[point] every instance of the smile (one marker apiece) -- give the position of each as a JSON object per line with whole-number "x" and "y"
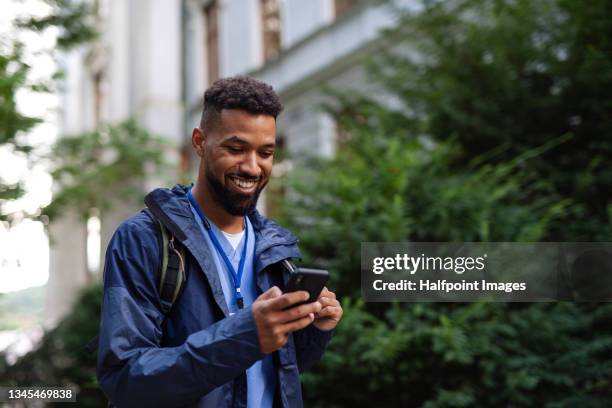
{"x": 244, "y": 185}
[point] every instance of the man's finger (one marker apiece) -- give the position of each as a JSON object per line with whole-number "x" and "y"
{"x": 329, "y": 311}
{"x": 271, "y": 293}
{"x": 287, "y": 300}
{"x": 298, "y": 324}
{"x": 327, "y": 293}
{"x": 298, "y": 312}
{"x": 326, "y": 301}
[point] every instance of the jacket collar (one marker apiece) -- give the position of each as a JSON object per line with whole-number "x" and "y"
{"x": 272, "y": 242}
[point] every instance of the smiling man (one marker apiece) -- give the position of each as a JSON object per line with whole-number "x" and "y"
{"x": 226, "y": 336}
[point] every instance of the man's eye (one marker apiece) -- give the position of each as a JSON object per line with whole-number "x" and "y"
{"x": 235, "y": 149}
{"x": 267, "y": 154}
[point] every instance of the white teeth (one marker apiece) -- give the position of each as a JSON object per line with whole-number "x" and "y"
{"x": 243, "y": 183}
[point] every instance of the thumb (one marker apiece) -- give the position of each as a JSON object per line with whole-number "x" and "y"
{"x": 271, "y": 293}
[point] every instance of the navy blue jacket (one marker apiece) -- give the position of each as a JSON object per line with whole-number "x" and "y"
{"x": 197, "y": 354}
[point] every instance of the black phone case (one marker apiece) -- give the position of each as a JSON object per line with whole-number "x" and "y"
{"x": 310, "y": 280}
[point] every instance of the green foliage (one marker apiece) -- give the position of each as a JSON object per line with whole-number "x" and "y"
{"x": 391, "y": 188}
{"x": 485, "y": 355}
{"x": 10, "y": 192}
{"x": 76, "y": 23}
{"x": 91, "y": 165}
{"x": 495, "y": 133}
{"x": 61, "y": 359}
{"x": 75, "y": 19}
{"x": 516, "y": 74}
{"x": 13, "y": 77}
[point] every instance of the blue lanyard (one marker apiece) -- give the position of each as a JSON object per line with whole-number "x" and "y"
{"x": 236, "y": 276}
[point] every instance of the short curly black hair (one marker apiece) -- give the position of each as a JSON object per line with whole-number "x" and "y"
{"x": 238, "y": 92}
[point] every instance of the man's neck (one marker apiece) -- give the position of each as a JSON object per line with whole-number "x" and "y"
{"x": 215, "y": 212}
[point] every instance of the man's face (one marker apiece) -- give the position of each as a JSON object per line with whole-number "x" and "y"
{"x": 238, "y": 155}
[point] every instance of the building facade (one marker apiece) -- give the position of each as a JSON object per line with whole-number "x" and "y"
{"x": 155, "y": 58}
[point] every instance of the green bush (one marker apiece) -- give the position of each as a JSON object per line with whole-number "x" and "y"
{"x": 485, "y": 355}
{"x": 500, "y": 135}
{"x": 436, "y": 355}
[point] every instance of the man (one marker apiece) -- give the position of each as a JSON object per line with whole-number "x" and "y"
{"x": 231, "y": 338}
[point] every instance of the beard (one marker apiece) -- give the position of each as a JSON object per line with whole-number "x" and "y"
{"x": 235, "y": 203}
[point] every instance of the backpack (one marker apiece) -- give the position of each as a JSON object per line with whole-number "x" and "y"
{"x": 170, "y": 276}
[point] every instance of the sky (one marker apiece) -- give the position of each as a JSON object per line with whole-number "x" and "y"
{"x": 24, "y": 249}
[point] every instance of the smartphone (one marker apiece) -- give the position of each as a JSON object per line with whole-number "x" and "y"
{"x": 310, "y": 280}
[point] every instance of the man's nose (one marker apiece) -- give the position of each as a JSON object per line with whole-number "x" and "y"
{"x": 249, "y": 165}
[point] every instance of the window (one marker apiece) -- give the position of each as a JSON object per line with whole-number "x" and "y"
{"x": 342, "y": 6}
{"x": 271, "y": 27}
{"x": 211, "y": 14}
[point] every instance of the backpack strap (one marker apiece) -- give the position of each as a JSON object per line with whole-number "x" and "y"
{"x": 170, "y": 276}
{"x": 171, "y": 273}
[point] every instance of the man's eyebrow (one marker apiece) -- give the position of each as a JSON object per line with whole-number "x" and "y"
{"x": 235, "y": 139}
{"x": 239, "y": 140}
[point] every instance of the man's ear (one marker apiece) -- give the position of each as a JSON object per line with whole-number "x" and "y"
{"x": 198, "y": 141}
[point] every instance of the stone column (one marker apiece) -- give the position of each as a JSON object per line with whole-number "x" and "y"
{"x": 67, "y": 267}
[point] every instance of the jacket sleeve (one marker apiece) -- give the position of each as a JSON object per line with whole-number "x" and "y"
{"x": 133, "y": 369}
{"x": 310, "y": 344}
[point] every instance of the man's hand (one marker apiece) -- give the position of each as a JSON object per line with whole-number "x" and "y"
{"x": 274, "y": 324}
{"x": 331, "y": 311}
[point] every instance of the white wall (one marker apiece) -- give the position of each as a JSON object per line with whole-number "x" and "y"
{"x": 67, "y": 252}
{"x": 156, "y": 56}
{"x": 325, "y": 48}
{"x": 240, "y": 36}
{"x": 76, "y": 113}
{"x": 116, "y": 40}
{"x": 301, "y": 18}
{"x": 307, "y": 128}
{"x": 327, "y": 57}
{"x": 148, "y": 43}
{"x": 67, "y": 266}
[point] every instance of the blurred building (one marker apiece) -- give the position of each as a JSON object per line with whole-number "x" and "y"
{"x": 156, "y": 57}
